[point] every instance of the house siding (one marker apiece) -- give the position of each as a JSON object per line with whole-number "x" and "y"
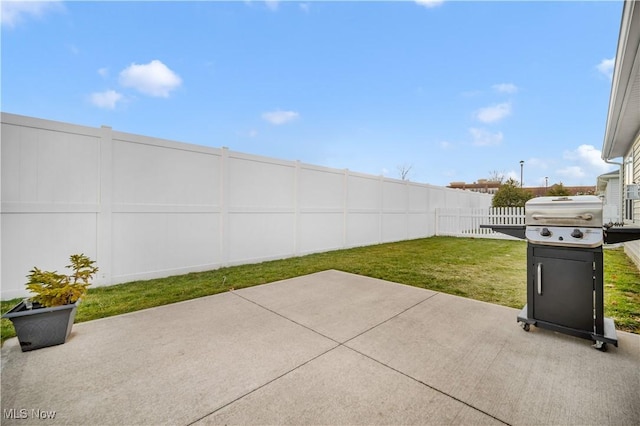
{"x": 636, "y": 176}
{"x": 633, "y": 248}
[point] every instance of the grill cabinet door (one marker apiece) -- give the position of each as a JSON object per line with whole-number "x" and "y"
{"x": 561, "y": 283}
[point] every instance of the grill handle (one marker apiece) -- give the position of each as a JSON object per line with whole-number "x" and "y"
{"x": 586, "y": 216}
{"x": 539, "y": 278}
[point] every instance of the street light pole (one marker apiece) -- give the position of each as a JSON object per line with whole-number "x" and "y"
{"x": 521, "y": 172}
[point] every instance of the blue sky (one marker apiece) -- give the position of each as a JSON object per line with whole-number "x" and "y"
{"x": 455, "y": 90}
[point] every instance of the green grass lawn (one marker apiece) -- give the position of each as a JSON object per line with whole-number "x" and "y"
{"x": 493, "y": 271}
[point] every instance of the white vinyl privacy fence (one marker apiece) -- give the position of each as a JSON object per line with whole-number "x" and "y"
{"x": 144, "y": 207}
{"x": 465, "y": 222}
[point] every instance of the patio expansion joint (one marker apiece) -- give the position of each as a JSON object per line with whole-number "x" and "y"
{"x": 389, "y": 319}
{"x": 431, "y": 387}
{"x": 339, "y": 344}
{"x": 257, "y": 388}
{"x": 285, "y": 317}
{"x": 411, "y": 377}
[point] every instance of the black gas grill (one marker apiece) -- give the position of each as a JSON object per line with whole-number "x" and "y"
{"x": 564, "y": 266}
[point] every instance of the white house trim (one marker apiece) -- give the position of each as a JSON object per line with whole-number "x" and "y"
{"x": 622, "y": 134}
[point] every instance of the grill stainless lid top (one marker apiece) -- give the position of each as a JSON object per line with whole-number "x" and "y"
{"x": 579, "y": 210}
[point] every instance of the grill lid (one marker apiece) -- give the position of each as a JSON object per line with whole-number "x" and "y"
{"x": 579, "y": 210}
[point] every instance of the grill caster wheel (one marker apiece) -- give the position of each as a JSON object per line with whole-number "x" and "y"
{"x": 601, "y": 346}
{"x": 525, "y": 326}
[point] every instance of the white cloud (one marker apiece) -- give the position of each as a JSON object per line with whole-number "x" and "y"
{"x": 445, "y": 145}
{"x": 572, "y": 172}
{"x": 272, "y": 4}
{"x": 606, "y": 67}
{"x": 429, "y": 3}
{"x": 482, "y": 137}
{"x": 13, "y": 13}
{"x": 305, "y": 7}
{"x": 107, "y": 99}
{"x": 581, "y": 166}
{"x": 104, "y": 72}
{"x": 505, "y": 88}
{"x": 153, "y": 79}
{"x": 493, "y": 113}
{"x": 588, "y": 156}
{"x": 280, "y": 117}
{"x": 512, "y": 174}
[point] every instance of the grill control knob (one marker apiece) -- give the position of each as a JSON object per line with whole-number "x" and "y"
{"x": 577, "y": 233}
{"x": 545, "y": 232}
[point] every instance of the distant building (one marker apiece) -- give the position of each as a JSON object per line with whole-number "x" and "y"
{"x": 491, "y": 187}
{"x": 609, "y": 190}
{"x": 484, "y": 186}
{"x": 541, "y": 191}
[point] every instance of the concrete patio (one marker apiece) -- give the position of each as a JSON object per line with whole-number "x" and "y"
{"x": 326, "y": 348}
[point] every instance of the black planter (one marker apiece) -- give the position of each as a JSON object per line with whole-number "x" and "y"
{"x": 41, "y": 327}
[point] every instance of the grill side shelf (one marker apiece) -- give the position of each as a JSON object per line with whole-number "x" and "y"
{"x": 621, "y": 234}
{"x": 517, "y": 231}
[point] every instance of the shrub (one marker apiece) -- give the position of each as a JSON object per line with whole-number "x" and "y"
{"x": 54, "y": 289}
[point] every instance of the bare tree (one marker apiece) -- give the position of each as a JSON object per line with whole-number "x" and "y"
{"x": 496, "y": 176}
{"x": 403, "y": 170}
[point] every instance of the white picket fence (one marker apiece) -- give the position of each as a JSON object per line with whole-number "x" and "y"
{"x": 459, "y": 222}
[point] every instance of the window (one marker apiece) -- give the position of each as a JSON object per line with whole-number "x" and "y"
{"x": 628, "y": 210}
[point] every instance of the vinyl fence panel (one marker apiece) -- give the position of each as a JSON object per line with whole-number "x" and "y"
{"x": 164, "y": 208}
{"x": 146, "y": 207}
